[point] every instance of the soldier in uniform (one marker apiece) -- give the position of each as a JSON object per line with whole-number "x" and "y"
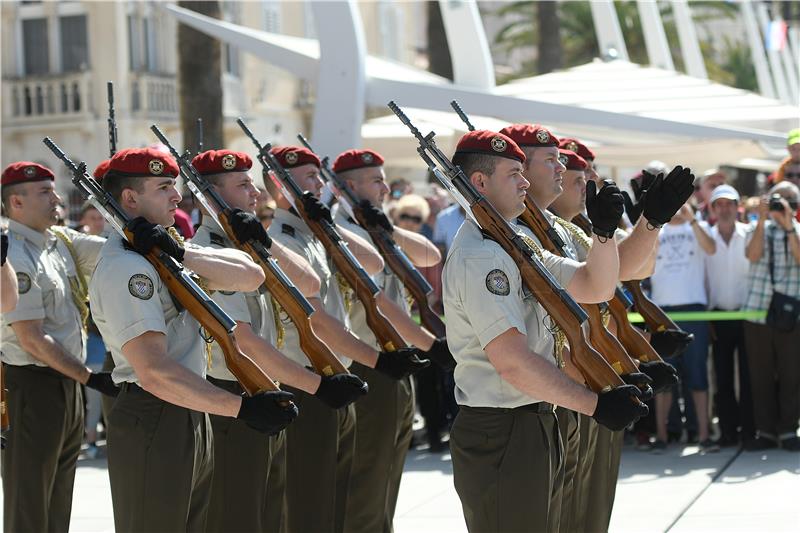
{"x": 160, "y": 452}
{"x": 320, "y": 445}
{"x": 505, "y": 439}
{"x": 383, "y": 433}
{"x": 241, "y": 454}
{"x": 44, "y": 350}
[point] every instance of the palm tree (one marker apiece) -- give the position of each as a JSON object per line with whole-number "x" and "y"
{"x": 200, "y": 79}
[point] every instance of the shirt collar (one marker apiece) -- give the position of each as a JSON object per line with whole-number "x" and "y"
{"x": 40, "y": 239}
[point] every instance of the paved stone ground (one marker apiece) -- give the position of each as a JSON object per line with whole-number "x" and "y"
{"x": 681, "y": 491}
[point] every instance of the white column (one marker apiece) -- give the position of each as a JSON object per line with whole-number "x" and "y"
{"x": 469, "y": 48}
{"x": 690, "y": 46}
{"x": 609, "y": 32}
{"x": 757, "y": 53}
{"x": 655, "y": 39}
{"x": 781, "y": 86}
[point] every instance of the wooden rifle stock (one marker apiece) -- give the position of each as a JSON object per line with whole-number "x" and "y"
{"x": 213, "y": 319}
{"x": 5, "y": 422}
{"x": 276, "y": 282}
{"x": 345, "y": 262}
{"x": 631, "y": 338}
{"x": 392, "y": 254}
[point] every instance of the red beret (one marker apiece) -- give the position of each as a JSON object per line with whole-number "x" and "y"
{"x": 571, "y": 160}
{"x": 144, "y": 162}
{"x": 25, "y": 171}
{"x": 489, "y": 143}
{"x": 353, "y": 159}
{"x": 101, "y": 169}
{"x": 221, "y": 161}
{"x": 532, "y": 135}
{"x": 295, "y": 156}
{"x": 578, "y": 147}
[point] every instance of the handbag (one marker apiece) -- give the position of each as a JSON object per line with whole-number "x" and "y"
{"x": 783, "y": 313}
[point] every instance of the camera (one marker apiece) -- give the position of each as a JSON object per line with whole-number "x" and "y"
{"x": 776, "y": 205}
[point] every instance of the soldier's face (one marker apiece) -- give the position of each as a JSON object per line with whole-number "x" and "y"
{"x": 307, "y": 178}
{"x": 369, "y": 184}
{"x": 158, "y": 200}
{"x": 505, "y": 188}
{"x": 36, "y": 204}
{"x": 544, "y": 172}
{"x": 572, "y": 201}
{"x": 239, "y": 191}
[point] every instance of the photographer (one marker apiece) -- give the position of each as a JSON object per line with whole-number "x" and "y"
{"x": 773, "y": 250}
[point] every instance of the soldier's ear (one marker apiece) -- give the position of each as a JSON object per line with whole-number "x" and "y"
{"x": 478, "y": 180}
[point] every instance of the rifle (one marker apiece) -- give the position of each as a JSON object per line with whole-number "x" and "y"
{"x": 180, "y": 284}
{"x": 346, "y": 263}
{"x": 631, "y": 338}
{"x": 277, "y": 283}
{"x": 112, "y": 121}
{"x": 533, "y": 217}
{"x": 567, "y": 314}
{"x": 199, "y": 135}
{"x": 5, "y": 422}
{"x": 394, "y": 256}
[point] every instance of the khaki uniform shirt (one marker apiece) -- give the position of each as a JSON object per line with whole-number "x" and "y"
{"x": 254, "y": 308}
{"x": 129, "y": 299}
{"x": 291, "y": 231}
{"x": 45, "y": 270}
{"x": 386, "y": 280}
{"x": 484, "y": 297}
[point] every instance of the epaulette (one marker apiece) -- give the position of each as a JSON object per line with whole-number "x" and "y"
{"x": 286, "y": 229}
{"x": 217, "y": 239}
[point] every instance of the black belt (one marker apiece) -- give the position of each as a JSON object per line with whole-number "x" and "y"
{"x": 129, "y": 386}
{"x": 541, "y": 408}
{"x": 231, "y": 386}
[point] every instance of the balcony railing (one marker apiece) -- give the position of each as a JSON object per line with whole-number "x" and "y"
{"x": 45, "y": 98}
{"x": 154, "y": 95}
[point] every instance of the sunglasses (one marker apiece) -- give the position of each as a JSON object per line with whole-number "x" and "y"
{"x": 411, "y": 218}
{"x": 792, "y": 175}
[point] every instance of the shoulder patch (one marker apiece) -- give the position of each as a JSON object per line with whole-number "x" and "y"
{"x": 497, "y": 282}
{"x": 287, "y": 230}
{"x": 23, "y": 282}
{"x": 140, "y": 286}
{"x": 217, "y": 239}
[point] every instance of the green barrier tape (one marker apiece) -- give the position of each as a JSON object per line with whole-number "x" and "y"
{"x": 705, "y": 316}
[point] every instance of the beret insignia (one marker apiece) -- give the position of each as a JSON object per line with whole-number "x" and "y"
{"x": 366, "y": 157}
{"x": 29, "y": 172}
{"x": 156, "y": 167}
{"x": 563, "y": 159}
{"x": 140, "y": 286}
{"x": 291, "y": 158}
{"x": 497, "y": 283}
{"x": 23, "y": 282}
{"x": 499, "y": 145}
{"x": 229, "y": 161}
{"x": 573, "y": 146}
{"x": 542, "y": 136}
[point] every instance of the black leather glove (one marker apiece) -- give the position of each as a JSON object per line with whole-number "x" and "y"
{"x": 663, "y": 374}
{"x": 3, "y": 248}
{"x": 440, "y": 354}
{"x": 374, "y": 216}
{"x": 670, "y": 342}
{"x": 341, "y": 389}
{"x": 147, "y": 235}
{"x": 642, "y": 382}
{"x": 246, "y": 226}
{"x": 666, "y": 195}
{"x": 400, "y": 363}
{"x": 634, "y": 210}
{"x": 264, "y": 412}
{"x": 604, "y": 208}
{"x": 101, "y": 381}
{"x": 616, "y": 408}
{"x": 315, "y": 208}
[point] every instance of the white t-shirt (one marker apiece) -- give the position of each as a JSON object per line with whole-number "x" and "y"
{"x": 679, "y": 276}
{"x": 727, "y": 270}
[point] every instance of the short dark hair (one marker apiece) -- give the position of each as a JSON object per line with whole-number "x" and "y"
{"x": 114, "y": 183}
{"x": 6, "y": 192}
{"x": 471, "y": 162}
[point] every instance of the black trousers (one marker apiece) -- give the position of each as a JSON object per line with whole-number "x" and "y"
{"x": 728, "y": 348}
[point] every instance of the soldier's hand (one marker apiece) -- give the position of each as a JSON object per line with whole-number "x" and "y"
{"x": 616, "y": 408}
{"x": 634, "y": 210}
{"x": 671, "y": 342}
{"x": 604, "y": 208}
{"x": 374, "y": 216}
{"x": 3, "y": 247}
{"x": 264, "y": 412}
{"x": 147, "y": 235}
{"x": 440, "y": 354}
{"x": 642, "y": 381}
{"x": 246, "y": 226}
{"x": 400, "y": 363}
{"x": 101, "y": 381}
{"x": 663, "y": 374}
{"x": 341, "y": 389}
{"x": 315, "y": 208}
{"x": 666, "y": 195}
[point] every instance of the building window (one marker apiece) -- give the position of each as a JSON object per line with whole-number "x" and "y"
{"x": 142, "y": 45}
{"x": 74, "y": 44}
{"x": 272, "y": 16}
{"x": 35, "y": 46}
{"x": 231, "y": 59}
